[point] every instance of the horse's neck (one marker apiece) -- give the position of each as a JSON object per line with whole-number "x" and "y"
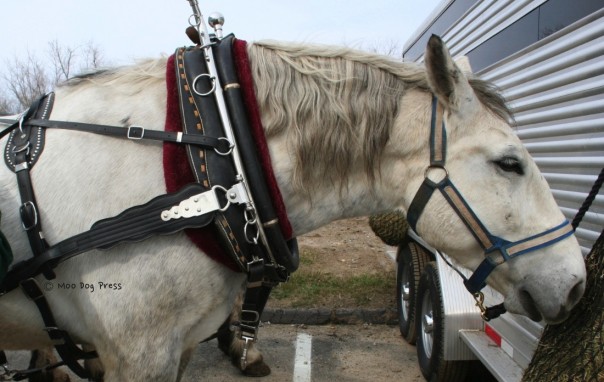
{"x": 309, "y": 211}
{"x": 405, "y": 157}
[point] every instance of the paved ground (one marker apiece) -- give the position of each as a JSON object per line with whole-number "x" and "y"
{"x": 301, "y": 353}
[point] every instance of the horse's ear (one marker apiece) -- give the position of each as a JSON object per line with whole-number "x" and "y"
{"x": 446, "y": 79}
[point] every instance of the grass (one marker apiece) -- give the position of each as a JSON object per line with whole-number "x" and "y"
{"x": 317, "y": 289}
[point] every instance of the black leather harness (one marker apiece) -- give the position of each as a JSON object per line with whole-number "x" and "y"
{"x": 217, "y": 197}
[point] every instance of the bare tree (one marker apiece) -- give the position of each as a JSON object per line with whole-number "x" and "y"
{"x": 62, "y": 58}
{"x": 387, "y": 48}
{"x": 7, "y": 106}
{"x": 93, "y": 56}
{"x": 26, "y": 79}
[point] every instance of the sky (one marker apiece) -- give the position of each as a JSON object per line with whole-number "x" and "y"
{"x": 126, "y": 30}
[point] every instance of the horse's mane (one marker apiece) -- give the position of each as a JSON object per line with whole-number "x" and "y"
{"x": 132, "y": 78}
{"x": 340, "y": 102}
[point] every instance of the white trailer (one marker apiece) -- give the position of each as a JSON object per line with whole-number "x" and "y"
{"x": 547, "y": 57}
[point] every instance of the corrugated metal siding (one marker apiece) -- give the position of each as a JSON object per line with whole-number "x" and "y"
{"x": 556, "y": 89}
{"x": 482, "y": 21}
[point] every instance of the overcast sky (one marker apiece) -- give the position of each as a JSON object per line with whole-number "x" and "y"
{"x": 129, "y": 29}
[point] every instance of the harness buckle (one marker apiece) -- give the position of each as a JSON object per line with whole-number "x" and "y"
{"x": 255, "y": 316}
{"x": 135, "y": 132}
{"x": 57, "y": 336}
{"x": 28, "y": 221}
{"x": 238, "y": 194}
{"x": 6, "y": 374}
{"x": 256, "y": 266}
{"x": 23, "y": 148}
{"x": 21, "y": 120}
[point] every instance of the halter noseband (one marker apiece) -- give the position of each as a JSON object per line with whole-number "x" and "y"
{"x": 496, "y": 249}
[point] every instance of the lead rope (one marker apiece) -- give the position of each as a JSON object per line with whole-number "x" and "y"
{"x": 589, "y": 200}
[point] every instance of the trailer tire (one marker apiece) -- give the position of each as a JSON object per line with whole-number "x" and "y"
{"x": 412, "y": 259}
{"x": 430, "y": 332}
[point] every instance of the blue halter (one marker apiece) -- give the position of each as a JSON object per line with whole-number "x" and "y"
{"x": 496, "y": 249}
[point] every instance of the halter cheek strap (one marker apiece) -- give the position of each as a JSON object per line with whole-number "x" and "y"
{"x": 496, "y": 249}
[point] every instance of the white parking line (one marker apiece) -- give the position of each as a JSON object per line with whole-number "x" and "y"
{"x": 302, "y": 365}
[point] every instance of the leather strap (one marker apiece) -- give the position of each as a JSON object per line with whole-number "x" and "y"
{"x": 285, "y": 254}
{"x": 26, "y": 138}
{"x": 421, "y": 198}
{"x": 134, "y": 224}
{"x": 199, "y": 113}
{"x": 134, "y": 133}
{"x": 22, "y": 151}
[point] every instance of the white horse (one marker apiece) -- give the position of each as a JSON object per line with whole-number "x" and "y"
{"x": 348, "y": 136}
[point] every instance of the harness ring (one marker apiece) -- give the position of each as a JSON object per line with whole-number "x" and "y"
{"x": 229, "y": 151}
{"x": 227, "y": 205}
{"x": 212, "y": 90}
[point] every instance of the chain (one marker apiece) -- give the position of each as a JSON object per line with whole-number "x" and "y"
{"x": 252, "y": 233}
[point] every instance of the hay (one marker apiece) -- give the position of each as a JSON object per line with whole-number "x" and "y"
{"x": 574, "y": 350}
{"x": 391, "y": 227}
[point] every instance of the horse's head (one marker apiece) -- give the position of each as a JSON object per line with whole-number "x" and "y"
{"x": 506, "y": 198}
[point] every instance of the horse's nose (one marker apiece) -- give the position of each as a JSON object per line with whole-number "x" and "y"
{"x": 553, "y": 308}
{"x": 576, "y": 293}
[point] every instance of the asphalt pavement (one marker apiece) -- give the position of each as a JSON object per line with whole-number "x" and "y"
{"x": 305, "y": 353}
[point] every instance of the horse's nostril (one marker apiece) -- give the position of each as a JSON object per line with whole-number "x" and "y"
{"x": 575, "y": 294}
{"x": 528, "y": 303}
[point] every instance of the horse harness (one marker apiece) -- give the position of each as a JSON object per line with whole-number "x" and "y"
{"x": 233, "y": 197}
{"x": 496, "y": 249}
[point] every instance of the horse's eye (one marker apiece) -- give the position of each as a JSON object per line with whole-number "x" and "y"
{"x": 510, "y": 164}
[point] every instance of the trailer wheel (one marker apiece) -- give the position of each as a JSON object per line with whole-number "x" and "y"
{"x": 430, "y": 332}
{"x": 411, "y": 261}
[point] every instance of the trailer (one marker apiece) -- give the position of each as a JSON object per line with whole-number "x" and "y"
{"x": 547, "y": 57}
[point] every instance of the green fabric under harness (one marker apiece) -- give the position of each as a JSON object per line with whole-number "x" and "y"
{"x": 6, "y": 255}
